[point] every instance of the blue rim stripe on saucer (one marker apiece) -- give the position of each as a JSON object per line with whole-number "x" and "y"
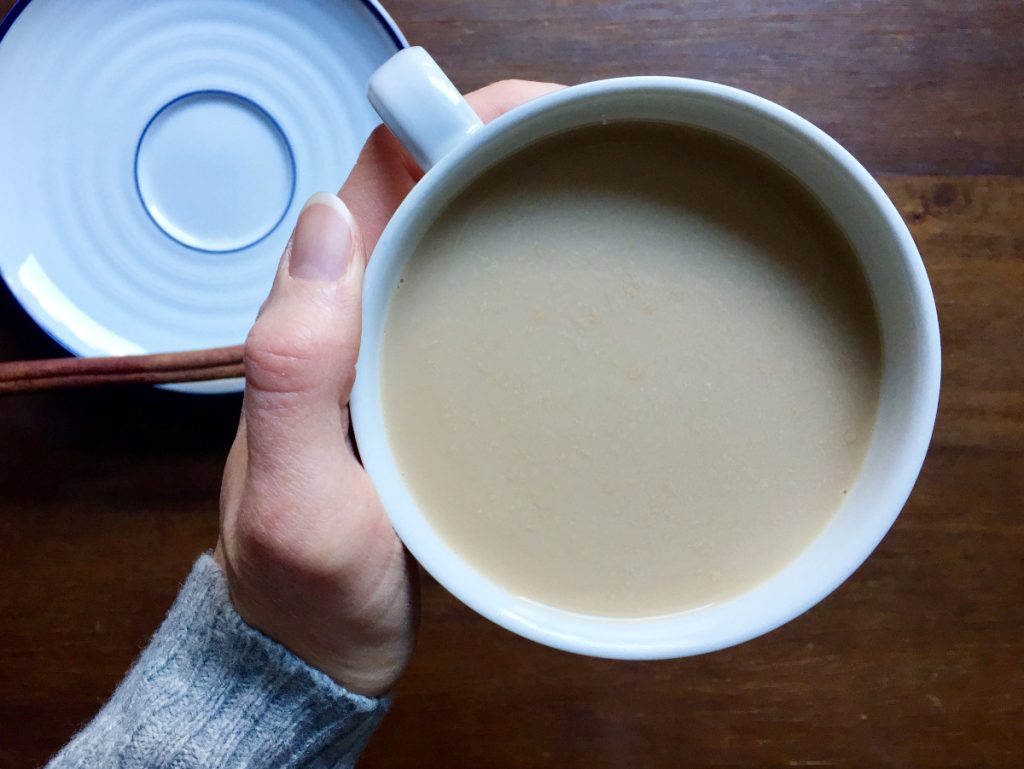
{"x": 382, "y": 16}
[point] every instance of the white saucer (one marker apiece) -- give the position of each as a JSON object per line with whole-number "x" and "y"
{"x": 156, "y": 155}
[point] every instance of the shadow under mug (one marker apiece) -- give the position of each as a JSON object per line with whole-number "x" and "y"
{"x": 427, "y": 114}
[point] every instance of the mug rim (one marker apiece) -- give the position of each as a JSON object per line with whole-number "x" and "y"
{"x": 604, "y": 636}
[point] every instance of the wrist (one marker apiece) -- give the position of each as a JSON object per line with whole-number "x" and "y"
{"x": 302, "y": 615}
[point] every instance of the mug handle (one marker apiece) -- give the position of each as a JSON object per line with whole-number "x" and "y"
{"x": 418, "y": 102}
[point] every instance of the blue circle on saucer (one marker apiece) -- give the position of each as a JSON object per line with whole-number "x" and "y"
{"x": 214, "y": 171}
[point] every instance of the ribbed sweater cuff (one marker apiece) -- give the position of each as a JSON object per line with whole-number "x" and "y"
{"x": 211, "y": 691}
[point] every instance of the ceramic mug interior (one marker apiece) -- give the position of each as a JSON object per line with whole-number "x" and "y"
{"x": 908, "y": 393}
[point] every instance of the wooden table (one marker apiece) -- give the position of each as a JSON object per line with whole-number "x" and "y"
{"x": 916, "y": 661}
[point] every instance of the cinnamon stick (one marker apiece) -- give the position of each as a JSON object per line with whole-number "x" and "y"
{"x": 161, "y": 368}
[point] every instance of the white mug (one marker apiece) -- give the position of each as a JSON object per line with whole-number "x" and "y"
{"x": 435, "y": 124}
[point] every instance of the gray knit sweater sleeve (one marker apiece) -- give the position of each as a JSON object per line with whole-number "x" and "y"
{"x": 210, "y": 691}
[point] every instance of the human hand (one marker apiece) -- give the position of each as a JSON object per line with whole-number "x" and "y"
{"x": 310, "y": 557}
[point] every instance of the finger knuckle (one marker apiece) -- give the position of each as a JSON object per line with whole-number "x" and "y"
{"x": 281, "y": 363}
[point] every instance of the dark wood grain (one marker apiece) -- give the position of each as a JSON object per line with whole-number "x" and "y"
{"x": 107, "y": 497}
{"x": 926, "y": 86}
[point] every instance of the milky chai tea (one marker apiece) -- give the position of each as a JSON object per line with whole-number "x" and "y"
{"x": 631, "y": 370}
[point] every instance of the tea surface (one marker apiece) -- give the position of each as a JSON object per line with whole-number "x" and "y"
{"x": 631, "y": 370}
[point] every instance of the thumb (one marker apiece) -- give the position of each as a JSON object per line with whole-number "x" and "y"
{"x": 301, "y": 353}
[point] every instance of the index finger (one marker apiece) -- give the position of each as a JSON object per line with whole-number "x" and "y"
{"x": 384, "y": 172}
{"x": 496, "y": 99}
